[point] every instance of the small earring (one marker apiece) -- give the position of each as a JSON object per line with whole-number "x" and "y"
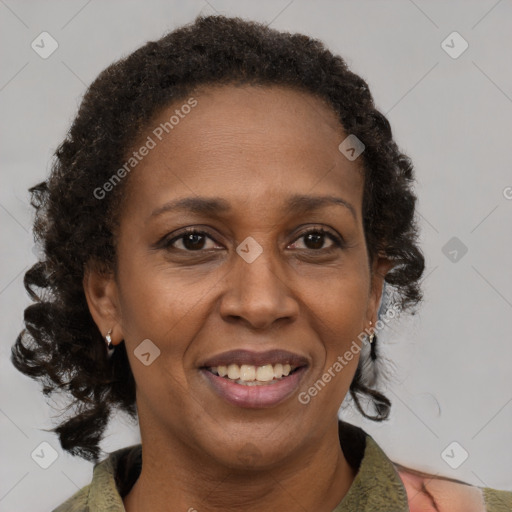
{"x": 108, "y": 339}
{"x": 372, "y": 335}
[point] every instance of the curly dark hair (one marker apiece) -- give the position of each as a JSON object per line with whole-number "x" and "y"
{"x": 61, "y": 346}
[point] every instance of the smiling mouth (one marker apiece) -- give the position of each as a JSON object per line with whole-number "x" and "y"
{"x": 250, "y": 375}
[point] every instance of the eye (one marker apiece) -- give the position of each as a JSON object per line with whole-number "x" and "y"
{"x": 314, "y": 239}
{"x": 194, "y": 240}
{"x": 190, "y": 240}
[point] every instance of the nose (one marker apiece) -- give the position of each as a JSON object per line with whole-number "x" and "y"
{"x": 257, "y": 294}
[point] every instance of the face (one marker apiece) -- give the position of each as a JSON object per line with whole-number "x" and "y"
{"x": 227, "y": 255}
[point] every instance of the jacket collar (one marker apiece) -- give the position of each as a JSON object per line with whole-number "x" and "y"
{"x": 377, "y": 485}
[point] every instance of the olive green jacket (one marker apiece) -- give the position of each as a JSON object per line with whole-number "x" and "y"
{"x": 379, "y": 485}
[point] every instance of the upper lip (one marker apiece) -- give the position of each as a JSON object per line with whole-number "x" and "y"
{"x": 255, "y": 358}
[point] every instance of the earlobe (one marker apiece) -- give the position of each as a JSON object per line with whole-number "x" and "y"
{"x": 100, "y": 291}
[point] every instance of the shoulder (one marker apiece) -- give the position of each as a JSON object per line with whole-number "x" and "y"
{"x": 112, "y": 478}
{"x": 429, "y": 493}
{"x": 497, "y": 500}
{"x": 77, "y": 502}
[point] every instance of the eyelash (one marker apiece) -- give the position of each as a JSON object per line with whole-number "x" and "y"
{"x": 338, "y": 242}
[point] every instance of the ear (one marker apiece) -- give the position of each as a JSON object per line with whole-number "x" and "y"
{"x": 101, "y": 293}
{"x": 380, "y": 267}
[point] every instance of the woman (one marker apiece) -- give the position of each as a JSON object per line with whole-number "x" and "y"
{"x": 218, "y": 228}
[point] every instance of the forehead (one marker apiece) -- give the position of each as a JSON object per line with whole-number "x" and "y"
{"x": 242, "y": 143}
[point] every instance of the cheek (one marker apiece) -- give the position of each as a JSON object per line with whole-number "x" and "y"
{"x": 159, "y": 306}
{"x": 341, "y": 318}
{"x": 340, "y": 305}
{"x": 157, "y": 301}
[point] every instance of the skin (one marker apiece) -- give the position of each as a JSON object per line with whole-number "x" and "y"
{"x": 254, "y": 147}
{"x": 429, "y": 493}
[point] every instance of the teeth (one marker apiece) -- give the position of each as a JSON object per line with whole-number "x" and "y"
{"x": 249, "y": 373}
{"x": 233, "y": 371}
{"x": 264, "y": 373}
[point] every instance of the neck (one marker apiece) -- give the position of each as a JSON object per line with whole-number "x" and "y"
{"x": 177, "y": 479}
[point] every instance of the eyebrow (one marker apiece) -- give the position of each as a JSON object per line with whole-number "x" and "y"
{"x": 296, "y": 204}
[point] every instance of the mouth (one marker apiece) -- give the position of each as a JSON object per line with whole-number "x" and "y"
{"x": 254, "y": 380}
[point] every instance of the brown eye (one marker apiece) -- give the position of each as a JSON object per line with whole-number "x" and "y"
{"x": 190, "y": 241}
{"x": 193, "y": 241}
{"x": 315, "y": 239}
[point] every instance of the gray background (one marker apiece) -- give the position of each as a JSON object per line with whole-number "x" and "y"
{"x": 452, "y": 380}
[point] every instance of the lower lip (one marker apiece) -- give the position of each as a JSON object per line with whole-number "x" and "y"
{"x": 255, "y": 397}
